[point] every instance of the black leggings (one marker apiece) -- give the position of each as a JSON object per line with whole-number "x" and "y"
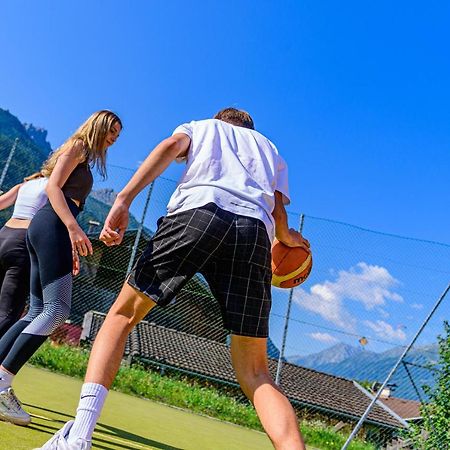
{"x": 51, "y": 288}
{"x": 14, "y": 276}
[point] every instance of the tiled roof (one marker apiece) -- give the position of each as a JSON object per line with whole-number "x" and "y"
{"x": 406, "y": 409}
{"x": 316, "y": 390}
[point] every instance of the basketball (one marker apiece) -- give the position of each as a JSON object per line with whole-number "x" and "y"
{"x": 290, "y": 265}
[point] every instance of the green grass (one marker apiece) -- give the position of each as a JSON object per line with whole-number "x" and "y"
{"x": 127, "y": 422}
{"x": 182, "y": 392}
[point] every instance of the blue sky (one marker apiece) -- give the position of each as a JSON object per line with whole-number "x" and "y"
{"x": 354, "y": 94}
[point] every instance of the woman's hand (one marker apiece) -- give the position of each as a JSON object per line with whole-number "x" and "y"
{"x": 80, "y": 242}
{"x": 76, "y": 263}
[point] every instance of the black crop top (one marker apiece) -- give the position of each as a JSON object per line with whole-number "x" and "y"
{"x": 79, "y": 184}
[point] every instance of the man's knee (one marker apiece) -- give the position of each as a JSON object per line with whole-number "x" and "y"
{"x": 120, "y": 319}
{"x": 130, "y": 308}
{"x": 249, "y": 357}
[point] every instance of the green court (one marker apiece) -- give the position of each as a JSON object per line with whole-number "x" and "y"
{"x": 126, "y": 423}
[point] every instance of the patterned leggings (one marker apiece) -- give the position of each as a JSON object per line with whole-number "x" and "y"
{"x": 14, "y": 276}
{"x": 51, "y": 288}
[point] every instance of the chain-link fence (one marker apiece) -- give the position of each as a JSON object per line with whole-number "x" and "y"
{"x": 333, "y": 340}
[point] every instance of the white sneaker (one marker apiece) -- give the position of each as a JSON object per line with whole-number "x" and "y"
{"x": 11, "y": 409}
{"x": 59, "y": 441}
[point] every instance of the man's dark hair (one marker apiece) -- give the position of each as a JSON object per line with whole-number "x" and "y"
{"x": 236, "y": 117}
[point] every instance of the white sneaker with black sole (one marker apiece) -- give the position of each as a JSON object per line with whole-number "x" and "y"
{"x": 59, "y": 441}
{"x": 11, "y": 409}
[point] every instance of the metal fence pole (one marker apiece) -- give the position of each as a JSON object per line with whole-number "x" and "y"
{"x": 286, "y": 323}
{"x": 140, "y": 227}
{"x": 391, "y": 373}
{"x": 8, "y": 162}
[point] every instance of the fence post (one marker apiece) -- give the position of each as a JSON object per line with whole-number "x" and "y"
{"x": 393, "y": 370}
{"x": 286, "y": 323}
{"x": 140, "y": 227}
{"x": 8, "y": 162}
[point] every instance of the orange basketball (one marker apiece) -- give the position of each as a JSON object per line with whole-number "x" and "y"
{"x": 290, "y": 265}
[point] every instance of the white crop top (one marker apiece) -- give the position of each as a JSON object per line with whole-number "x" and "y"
{"x": 30, "y": 198}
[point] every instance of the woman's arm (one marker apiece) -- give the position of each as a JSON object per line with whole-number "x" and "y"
{"x": 9, "y": 198}
{"x": 65, "y": 165}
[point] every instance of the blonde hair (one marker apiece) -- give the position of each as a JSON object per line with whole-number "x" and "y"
{"x": 92, "y": 134}
{"x": 33, "y": 176}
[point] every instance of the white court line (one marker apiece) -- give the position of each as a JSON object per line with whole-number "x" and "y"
{"x": 37, "y": 416}
{"x": 100, "y": 434}
{"x": 121, "y": 441}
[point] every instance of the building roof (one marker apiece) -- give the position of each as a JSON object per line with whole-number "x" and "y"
{"x": 308, "y": 388}
{"x": 406, "y": 409}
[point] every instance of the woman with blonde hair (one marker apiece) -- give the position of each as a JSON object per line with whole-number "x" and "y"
{"x": 27, "y": 197}
{"x": 54, "y": 238}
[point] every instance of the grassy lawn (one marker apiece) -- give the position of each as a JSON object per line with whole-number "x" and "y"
{"x": 187, "y": 394}
{"x": 126, "y": 423}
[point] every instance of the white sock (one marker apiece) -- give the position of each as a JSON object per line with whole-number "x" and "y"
{"x": 5, "y": 379}
{"x": 92, "y": 398}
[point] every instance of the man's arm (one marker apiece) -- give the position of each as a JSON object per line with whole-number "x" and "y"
{"x": 283, "y": 233}
{"x": 154, "y": 165}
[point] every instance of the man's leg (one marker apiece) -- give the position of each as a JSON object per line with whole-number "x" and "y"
{"x": 129, "y": 309}
{"x": 249, "y": 358}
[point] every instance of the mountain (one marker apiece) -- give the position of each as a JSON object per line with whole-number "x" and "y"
{"x": 272, "y": 350}
{"x": 105, "y": 195}
{"x": 357, "y": 364}
{"x": 333, "y": 355}
{"x": 38, "y": 136}
{"x": 30, "y": 150}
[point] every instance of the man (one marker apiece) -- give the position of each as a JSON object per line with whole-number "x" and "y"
{"x": 221, "y": 220}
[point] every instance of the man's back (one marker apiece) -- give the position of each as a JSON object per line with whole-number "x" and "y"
{"x": 236, "y": 168}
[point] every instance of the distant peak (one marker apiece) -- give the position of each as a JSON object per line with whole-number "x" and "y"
{"x": 38, "y": 135}
{"x": 105, "y": 195}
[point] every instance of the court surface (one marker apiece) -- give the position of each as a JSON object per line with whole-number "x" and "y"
{"x": 126, "y": 423}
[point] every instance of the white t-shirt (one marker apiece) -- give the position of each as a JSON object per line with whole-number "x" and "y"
{"x": 30, "y": 198}
{"x": 236, "y": 168}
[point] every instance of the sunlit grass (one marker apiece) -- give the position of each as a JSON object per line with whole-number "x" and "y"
{"x": 187, "y": 393}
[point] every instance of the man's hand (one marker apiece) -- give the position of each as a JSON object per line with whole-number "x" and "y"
{"x": 294, "y": 239}
{"x": 115, "y": 224}
{"x": 283, "y": 233}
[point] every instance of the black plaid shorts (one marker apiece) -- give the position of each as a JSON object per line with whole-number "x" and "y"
{"x": 231, "y": 251}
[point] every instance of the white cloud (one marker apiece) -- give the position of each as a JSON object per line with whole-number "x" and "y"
{"x": 417, "y": 306}
{"x": 324, "y": 337}
{"x": 385, "y": 330}
{"x": 323, "y": 300}
{"x": 372, "y": 286}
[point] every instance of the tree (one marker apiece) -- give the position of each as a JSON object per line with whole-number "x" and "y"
{"x": 434, "y": 432}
